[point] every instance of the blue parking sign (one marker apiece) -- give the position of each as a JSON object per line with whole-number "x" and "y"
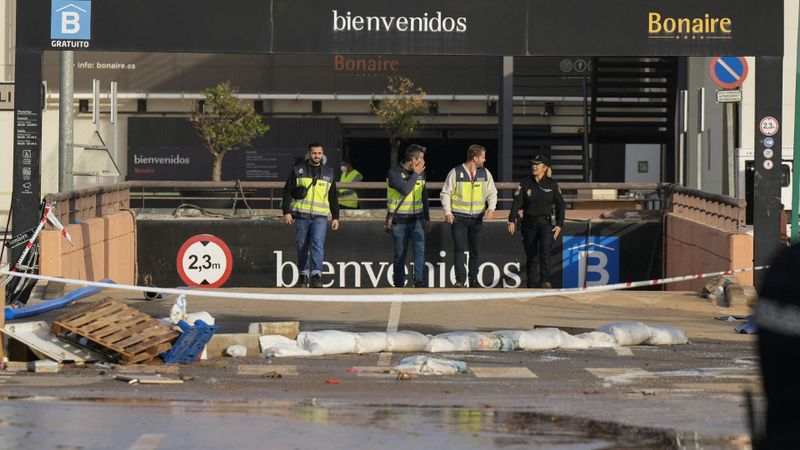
{"x": 595, "y": 262}
{"x": 71, "y": 19}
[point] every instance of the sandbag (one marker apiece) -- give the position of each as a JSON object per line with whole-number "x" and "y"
{"x": 328, "y": 342}
{"x": 372, "y": 342}
{"x": 540, "y": 339}
{"x": 449, "y": 342}
{"x": 509, "y": 338}
{"x": 666, "y": 335}
{"x": 627, "y": 333}
{"x": 406, "y": 341}
{"x": 571, "y": 342}
{"x": 276, "y": 345}
{"x": 598, "y": 339}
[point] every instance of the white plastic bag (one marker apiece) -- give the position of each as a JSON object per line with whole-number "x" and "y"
{"x": 236, "y": 351}
{"x": 666, "y": 335}
{"x": 191, "y": 318}
{"x": 406, "y": 341}
{"x": 627, "y": 333}
{"x": 540, "y": 339}
{"x": 373, "y": 342}
{"x": 328, "y": 342}
{"x": 428, "y": 365}
{"x": 178, "y": 310}
{"x": 598, "y": 339}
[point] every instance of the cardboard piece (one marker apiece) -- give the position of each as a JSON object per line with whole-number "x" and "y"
{"x": 41, "y": 340}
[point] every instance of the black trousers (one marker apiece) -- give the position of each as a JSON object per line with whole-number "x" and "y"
{"x": 537, "y": 237}
{"x": 467, "y": 234}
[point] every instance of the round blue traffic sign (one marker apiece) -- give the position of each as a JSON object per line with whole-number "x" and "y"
{"x": 769, "y": 142}
{"x": 728, "y": 72}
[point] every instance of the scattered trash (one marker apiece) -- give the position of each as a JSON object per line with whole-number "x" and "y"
{"x": 352, "y": 370}
{"x": 44, "y": 366}
{"x": 39, "y": 338}
{"x": 236, "y": 351}
{"x": 191, "y": 343}
{"x": 178, "y": 310}
{"x": 272, "y": 374}
{"x": 147, "y": 379}
{"x": 428, "y": 365}
{"x": 333, "y": 381}
{"x": 117, "y": 331}
{"x": 403, "y": 376}
{"x": 724, "y": 291}
{"x": 733, "y": 318}
{"x": 748, "y": 328}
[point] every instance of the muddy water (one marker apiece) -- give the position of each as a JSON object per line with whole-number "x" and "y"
{"x": 38, "y": 423}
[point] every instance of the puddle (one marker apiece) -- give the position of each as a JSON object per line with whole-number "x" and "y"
{"x": 46, "y": 423}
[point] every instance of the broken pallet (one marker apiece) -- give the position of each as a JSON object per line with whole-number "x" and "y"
{"x": 118, "y": 331}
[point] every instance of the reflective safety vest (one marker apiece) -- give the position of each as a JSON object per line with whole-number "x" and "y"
{"x": 412, "y": 205}
{"x": 469, "y": 197}
{"x": 315, "y": 202}
{"x": 348, "y": 197}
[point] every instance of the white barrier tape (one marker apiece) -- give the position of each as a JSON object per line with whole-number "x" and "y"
{"x": 482, "y": 295}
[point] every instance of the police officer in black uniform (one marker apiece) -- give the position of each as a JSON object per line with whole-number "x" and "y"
{"x": 542, "y": 206}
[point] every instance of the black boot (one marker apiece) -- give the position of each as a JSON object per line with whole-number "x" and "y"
{"x": 316, "y": 281}
{"x": 302, "y": 281}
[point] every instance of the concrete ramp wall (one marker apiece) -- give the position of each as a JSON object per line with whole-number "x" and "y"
{"x": 694, "y": 247}
{"x": 104, "y": 247}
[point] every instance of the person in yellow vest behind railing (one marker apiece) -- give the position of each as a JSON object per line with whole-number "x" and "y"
{"x": 348, "y": 198}
{"x": 407, "y": 201}
{"x": 309, "y": 197}
{"x": 468, "y": 196}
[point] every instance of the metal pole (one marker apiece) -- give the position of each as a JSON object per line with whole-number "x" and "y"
{"x": 684, "y": 128}
{"x": 730, "y": 149}
{"x": 796, "y": 164}
{"x": 114, "y": 128}
{"x": 96, "y": 104}
{"x": 506, "y": 119}
{"x": 65, "y": 123}
{"x": 586, "y": 166}
{"x": 701, "y": 128}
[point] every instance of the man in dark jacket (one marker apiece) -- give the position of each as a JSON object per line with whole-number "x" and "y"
{"x": 309, "y": 197}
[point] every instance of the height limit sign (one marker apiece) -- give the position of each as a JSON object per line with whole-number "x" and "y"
{"x": 204, "y": 261}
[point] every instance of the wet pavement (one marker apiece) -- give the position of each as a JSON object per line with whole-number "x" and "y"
{"x": 688, "y": 396}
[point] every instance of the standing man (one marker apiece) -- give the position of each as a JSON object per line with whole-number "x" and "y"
{"x": 465, "y": 194}
{"x": 540, "y": 200}
{"x": 406, "y": 188}
{"x": 348, "y": 198}
{"x": 309, "y": 196}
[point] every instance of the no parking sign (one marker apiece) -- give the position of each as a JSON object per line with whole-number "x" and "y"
{"x": 728, "y": 72}
{"x": 204, "y": 261}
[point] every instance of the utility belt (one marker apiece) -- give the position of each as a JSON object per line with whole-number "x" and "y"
{"x": 549, "y": 219}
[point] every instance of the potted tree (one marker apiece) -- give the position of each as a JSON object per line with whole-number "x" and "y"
{"x": 224, "y": 124}
{"x": 397, "y": 112}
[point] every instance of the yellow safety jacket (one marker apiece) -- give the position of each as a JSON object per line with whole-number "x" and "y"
{"x": 469, "y": 197}
{"x": 315, "y": 202}
{"x": 412, "y": 205}
{"x": 348, "y": 197}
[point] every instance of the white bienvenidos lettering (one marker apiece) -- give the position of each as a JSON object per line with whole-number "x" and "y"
{"x": 434, "y": 23}
{"x": 509, "y": 274}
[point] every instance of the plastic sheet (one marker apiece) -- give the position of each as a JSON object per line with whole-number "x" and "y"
{"x": 428, "y": 365}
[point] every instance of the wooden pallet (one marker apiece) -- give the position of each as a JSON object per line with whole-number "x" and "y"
{"x": 126, "y": 334}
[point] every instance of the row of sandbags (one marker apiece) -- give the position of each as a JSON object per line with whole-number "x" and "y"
{"x": 334, "y": 342}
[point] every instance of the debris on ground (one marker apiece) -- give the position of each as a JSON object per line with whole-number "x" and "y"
{"x": 726, "y": 291}
{"x": 44, "y": 366}
{"x": 428, "y": 365}
{"x": 40, "y": 339}
{"x": 236, "y": 351}
{"x": 287, "y": 329}
{"x": 119, "y": 332}
{"x": 147, "y": 379}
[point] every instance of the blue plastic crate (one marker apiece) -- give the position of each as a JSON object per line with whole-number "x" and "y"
{"x": 191, "y": 342}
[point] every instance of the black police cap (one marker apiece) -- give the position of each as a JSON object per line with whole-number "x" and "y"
{"x": 540, "y": 159}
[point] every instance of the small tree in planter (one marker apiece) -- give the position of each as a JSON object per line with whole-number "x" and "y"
{"x": 225, "y": 124}
{"x": 398, "y": 110}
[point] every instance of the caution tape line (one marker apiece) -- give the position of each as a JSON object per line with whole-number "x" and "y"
{"x": 386, "y": 298}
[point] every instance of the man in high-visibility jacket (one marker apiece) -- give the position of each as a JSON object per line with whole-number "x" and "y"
{"x": 348, "y": 198}
{"x": 468, "y": 196}
{"x": 407, "y": 199}
{"x": 309, "y": 197}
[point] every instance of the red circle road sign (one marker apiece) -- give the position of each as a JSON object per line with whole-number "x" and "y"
{"x": 204, "y": 261}
{"x": 728, "y": 72}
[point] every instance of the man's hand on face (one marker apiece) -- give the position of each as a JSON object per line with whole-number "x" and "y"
{"x": 419, "y": 166}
